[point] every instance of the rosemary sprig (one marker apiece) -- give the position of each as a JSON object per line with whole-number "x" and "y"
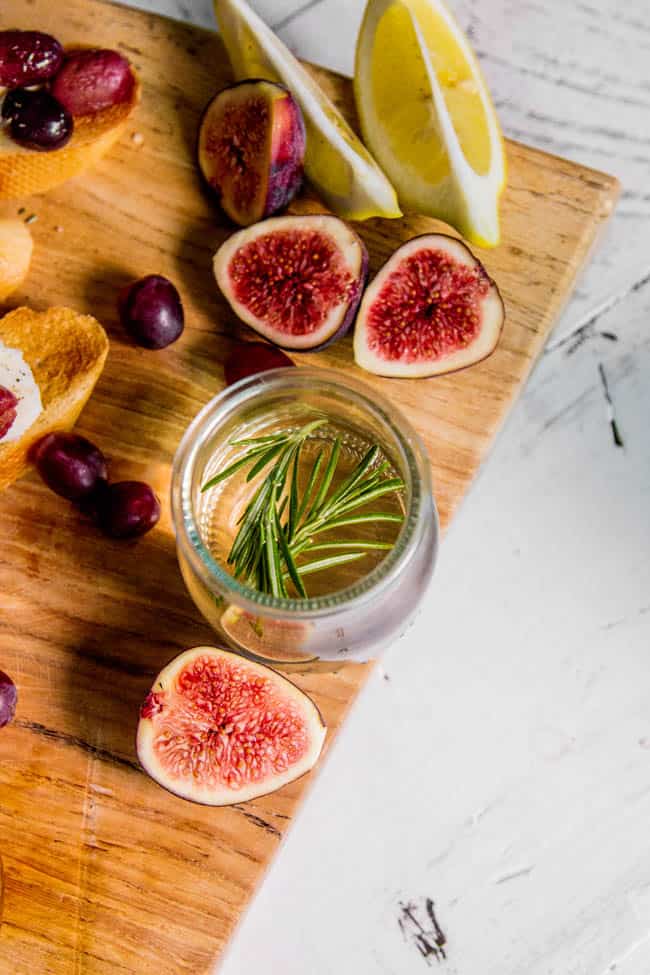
{"x": 278, "y": 524}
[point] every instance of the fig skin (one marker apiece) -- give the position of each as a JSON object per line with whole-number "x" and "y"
{"x": 351, "y": 248}
{"x": 263, "y": 167}
{"x": 480, "y": 348}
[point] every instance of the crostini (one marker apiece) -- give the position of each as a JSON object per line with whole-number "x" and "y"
{"x": 49, "y": 364}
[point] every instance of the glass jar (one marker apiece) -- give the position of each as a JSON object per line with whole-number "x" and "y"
{"x": 355, "y": 622}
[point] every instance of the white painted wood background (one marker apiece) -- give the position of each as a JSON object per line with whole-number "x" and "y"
{"x": 502, "y": 765}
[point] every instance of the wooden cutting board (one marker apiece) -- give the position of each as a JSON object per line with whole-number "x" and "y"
{"x": 105, "y": 872}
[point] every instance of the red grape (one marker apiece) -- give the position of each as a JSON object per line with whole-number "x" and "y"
{"x": 70, "y": 465}
{"x": 8, "y": 698}
{"x": 151, "y": 311}
{"x": 127, "y": 509}
{"x": 90, "y": 81}
{"x": 249, "y": 358}
{"x": 28, "y": 57}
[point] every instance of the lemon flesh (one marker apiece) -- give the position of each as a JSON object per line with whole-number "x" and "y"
{"x": 427, "y": 115}
{"x": 338, "y": 165}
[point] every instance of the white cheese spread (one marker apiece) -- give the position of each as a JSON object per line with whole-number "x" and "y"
{"x": 17, "y": 376}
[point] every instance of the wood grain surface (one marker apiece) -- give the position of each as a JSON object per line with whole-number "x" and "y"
{"x": 104, "y": 872}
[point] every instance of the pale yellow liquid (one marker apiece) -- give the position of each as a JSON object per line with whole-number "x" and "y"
{"x": 223, "y": 505}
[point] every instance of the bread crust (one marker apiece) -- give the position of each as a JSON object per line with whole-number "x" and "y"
{"x": 66, "y": 352}
{"x": 24, "y": 171}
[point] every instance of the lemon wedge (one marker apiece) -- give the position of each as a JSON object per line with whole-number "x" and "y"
{"x": 427, "y": 115}
{"x": 338, "y": 165}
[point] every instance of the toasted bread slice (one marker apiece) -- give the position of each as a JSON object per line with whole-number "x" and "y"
{"x": 24, "y": 171}
{"x": 66, "y": 352}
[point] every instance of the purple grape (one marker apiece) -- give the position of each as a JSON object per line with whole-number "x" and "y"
{"x": 250, "y": 358}
{"x": 15, "y": 101}
{"x": 8, "y": 698}
{"x": 70, "y": 465}
{"x": 90, "y": 505}
{"x": 41, "y": 123}
{"x": 28, "y": 57}
{"x": 151, "y": 311}
{"x": 127, "y": 509}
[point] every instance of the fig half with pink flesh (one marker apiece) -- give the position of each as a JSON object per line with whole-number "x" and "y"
{"x": 218, "y": 729}
{"x": 296, "y": 280}
{"x": 431, "y": 309}
{"x": 251, "y": 149}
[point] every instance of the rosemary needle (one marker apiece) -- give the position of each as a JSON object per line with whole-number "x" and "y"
{"x": 265, "y": 548}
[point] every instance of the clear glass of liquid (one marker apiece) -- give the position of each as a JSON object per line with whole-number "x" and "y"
{"x": 353, "y": 610}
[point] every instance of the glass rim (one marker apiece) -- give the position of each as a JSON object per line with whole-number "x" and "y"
{"x": 243, "y": 393}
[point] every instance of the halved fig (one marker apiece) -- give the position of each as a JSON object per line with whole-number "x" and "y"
{"x": 218, "y": 729}
{"x": 431, "y": 309}
{"x": 251, "y": 149}
{"x": 295, "y": 280}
